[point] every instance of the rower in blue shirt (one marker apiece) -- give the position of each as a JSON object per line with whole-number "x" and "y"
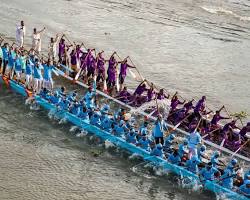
{"x": 193, "y": 140}
{"x": 37, "y": 76}
{"x": 229, "y": 174}
{"x": 157, "y": 151}
{"x": 208, "y": 172}
{"x": 83, "y": 114}
{"x": 18, "y": 67}
{"x": 119, "y": 128}
{"x": 106, "y": 123}
{"x": 74, "y": 108}
{"x": 215, "y": 160}
{"x": 245, "y": 189}
{"x": 167, "y": 147}
{"x": 95, "y": 119}
{"x": 175, "y": 158}
{"x": 54, "y": 98}
{"x": 28, "y": 73}
{"x": 89, "y": 98}
{"x": 183, "y": 149}
{"x": 5, "y": 52}
{"x": 144, "y": 142}
{"x": 192, "y": 165}
{"x": 202, "y": 152}
{"x": 131, "y": 137}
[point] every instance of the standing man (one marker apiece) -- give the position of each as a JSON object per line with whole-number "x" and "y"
{"x": 36, "y": 40}
{"x": 159, "y": 129}
{"x": 20, "y": 33}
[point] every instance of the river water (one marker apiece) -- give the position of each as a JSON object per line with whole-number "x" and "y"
{"x": 195, "y": 47}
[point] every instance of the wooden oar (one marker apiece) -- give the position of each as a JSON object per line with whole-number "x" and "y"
{"x": 204, "y": 136}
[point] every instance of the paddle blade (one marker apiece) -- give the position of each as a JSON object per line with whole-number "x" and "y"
{"x": 105, "y": 88}
{"x": 78, "y": 74}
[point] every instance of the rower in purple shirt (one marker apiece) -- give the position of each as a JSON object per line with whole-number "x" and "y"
{"x": 73, "y": 60}
{"x": 151, "y": 93}
{"x": 61, "y": 48}
{"x": 217, "y": 117}
{"x": 111, "y": 71}
{"x": 124, "y": 95}
{"x": 188, "y": 106}
{"x": 161, "y": 95}
{"x": 200, "y": 106}
{"x": 175, "y": 102}
{"x": 140, "y": 89}
{"x": 100, "y": 64}
{"x": 123, "y": 71}
{"x": 91, "y": 64}
{"x": 245, "y": 130}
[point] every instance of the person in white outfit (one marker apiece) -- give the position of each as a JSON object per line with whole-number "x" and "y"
{"x": 20, "y": 33}
{"x": 53, "y": 47}
{"x": 36, "y": 40}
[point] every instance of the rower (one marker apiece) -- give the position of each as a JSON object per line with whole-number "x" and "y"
{"x": 111, "y": 72}
{"x": 100, "y": 65}
{"x": 118, "y": 130}
{"x": 44, "y": 94}
{"x": 229, "y": 174}
{"x": 201, "y": 153}
{"x": 53, "y": 47}
{"x": 200, "y": 106}
{"x": 55, "y": 98}
{"x": 193, "y": 140}
{"x": 18, "y": 67}
{"x": 131, "y": 136}
{"x": 5, "y": 51}
{"x": 123, "y": 71}
{"x": 150, "y": 93}
{"x": 37, "y": 76}
{"x": 245, "y": 130}
{"x": 168, "y": 142}
{"x": 245, "y": 189}
{"x": 158, "y": 130}
{"x": 124, "y": 95}
{"x": 11, "y": 60}
{"x": 175, "y": 102}
{"x": 47, "y": 75}
{"x": 89, "y": 98}
{"x": 95, "y": 119}
{"x": 83, "y": 114}
{"x": 183, "y": 149}
{"x": 28, "y": 73}
{"x": 217, "y": 117}
{"x": 142, "y": 129}
{"x": 208, "y": 172}
{"x": 175, "y": 158}
{"x": 192, "y": 165}
{"x": 161, "y": 95}
{"x": 20, "y": 33}
{"x": 91, "y": 64}
{"x": 188, "y": 106}
{"x": 157, "y": 151}
{"x": 144, "y": 142}
{"x": 73, "y": 60}
{"x": 61, "y": 48}
{"x": 215, "y": 160}
{"x": 106, "y": 123}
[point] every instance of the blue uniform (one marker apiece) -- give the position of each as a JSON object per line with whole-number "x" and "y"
{"x": 5, "y": 53}
{"x": 244, "y": 189}
{"x": 183, "y": 149}
{"x": 47, "y": 73}
{"x": 227, "y": 178}
{"x": 106, "y": 123}
{"x": 18, "y": 64}
{"x": 83, "y": 114}
{"x": 159, "y": 128}
{"x": 118, "y": 130}
{"x": 214, "y": 161}
{"x": 95, "y": 119}
{"x": 168, "y": 142}
{"x": 174, "y": 159}
{"x": 192, "y": 165}
{"x": 144, "y": 144}
{"x": 29, "y": 70}
{"x": 201, "y": 153}
{"x": 208, "y": 174}
{"x": 11, "y": 59}
{"x": 157, "y": 152}
{"x": 131, "y": 137}
{"x": 38, "y": 72}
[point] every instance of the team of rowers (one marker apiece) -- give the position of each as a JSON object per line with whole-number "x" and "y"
{"x": 86, "y": 65}
{"x": 37, "y": 73}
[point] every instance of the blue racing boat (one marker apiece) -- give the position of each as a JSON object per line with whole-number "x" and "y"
{"x": 120, "y": 142}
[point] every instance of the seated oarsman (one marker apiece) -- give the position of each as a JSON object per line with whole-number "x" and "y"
{"x": 233, "y": 139}
{"x": 245, "y": 189}
{"x": 161, "y": 95}
{"x": 245, "y": 130}
{"x": 239, "y": 180}
{"x": 118, "y": 129}
{"x": 201, "y": 152}
{"x": 188, "y": 106}
{"x": 63, "y": 104}
{"x": 131, "y": 136}
{"x": 89, "y": 98}
{"x": 142, "y": 129}
{"x": 175, "y": 102}
{"x": 159, "y": 128}
{"x": 106, "y": 123}
{"x": 193, "y": 140}
{"x": 216, "y": 118}
{"x": 124, "y": 95}
{"x": 183, "y": 150}
{"x": 144, "y": 142}
{"x": 192, "y": 165}
{"x": 208, "y": 173}
{"x": 157, "y": 151}
{"x": 75, "y": 108}
{"x": 151, "y": 93}
{"x": 229, "y": 173}
{"x": 120, "y": 114}
{"x": 138, "y": 97}
{"x": 175, "y": 158}
{"x": 200, "y": 107}
{"x": 44, "y": 93}
{"x": 54, "y": 97}
{"x": 216, "y": 161}
{"x": 95, "y": 119}
{"x": 72, "y": 97}
{"x": 168, "y": 143}
{"x": 83, "y": 114}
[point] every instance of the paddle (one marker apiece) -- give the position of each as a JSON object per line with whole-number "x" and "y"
{"x": 204, "y": 136}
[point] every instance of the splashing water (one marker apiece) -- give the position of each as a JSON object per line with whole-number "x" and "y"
{"x": 63, "y": 120}
{"x": 73, "y": 128}
{"x": 134, "y": 156}
{"x": 108, "y": 144}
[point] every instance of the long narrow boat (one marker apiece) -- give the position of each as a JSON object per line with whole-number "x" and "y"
{"x": 132, "y": 109}
{"x": 194, "y": 179}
